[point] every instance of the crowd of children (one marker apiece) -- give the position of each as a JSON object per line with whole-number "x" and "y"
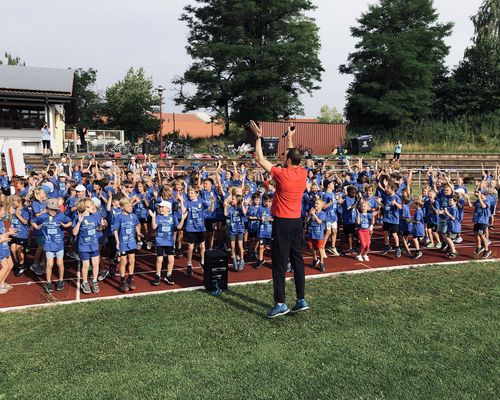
{"x": 103, "y": 214}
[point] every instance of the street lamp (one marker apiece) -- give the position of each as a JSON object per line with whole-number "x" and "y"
{"x": 160, "y": 90}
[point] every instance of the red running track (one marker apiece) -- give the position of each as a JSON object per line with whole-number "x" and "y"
{"x": 28, "y": 289}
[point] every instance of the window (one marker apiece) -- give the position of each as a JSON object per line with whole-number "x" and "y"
{"x": 22, "y": 117}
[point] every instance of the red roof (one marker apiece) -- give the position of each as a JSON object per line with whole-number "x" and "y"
{"x": 189, "y": 125}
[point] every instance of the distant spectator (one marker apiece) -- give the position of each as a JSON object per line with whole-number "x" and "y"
{"x": 397, "y": 150}
{"x": 83, "y": 142}
{"x": 46, "y": 138}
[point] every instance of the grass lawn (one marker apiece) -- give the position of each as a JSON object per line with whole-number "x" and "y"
{"x": 429, "y": 333}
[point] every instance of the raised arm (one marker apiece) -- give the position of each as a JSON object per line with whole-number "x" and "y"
{"x": 259, "y": 154}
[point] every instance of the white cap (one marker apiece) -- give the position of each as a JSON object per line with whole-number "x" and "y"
{"x": 132, "y": 158}
{"x": 80, "y": 188}
{"x": 62, "y": 174}
{"x": 459, "y": 190}
{"x": 164, "y": 203}
{"x": 96, "y": 201}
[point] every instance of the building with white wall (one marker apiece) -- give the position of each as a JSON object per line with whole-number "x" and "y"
{"x": 30, "y": 96}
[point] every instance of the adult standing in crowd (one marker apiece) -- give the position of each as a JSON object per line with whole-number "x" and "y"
{"x": 286, "y": 242}
{"x": 83, "y": 142}
{"x": 397, "y": 150}
{"x": 46, "y": 138}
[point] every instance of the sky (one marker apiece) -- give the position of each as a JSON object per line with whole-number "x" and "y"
{"x": 113, "y": 35}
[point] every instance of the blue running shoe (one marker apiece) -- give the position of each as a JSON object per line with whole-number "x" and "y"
{"x": 278, "y": 310}
{"x": 300, "y": 305}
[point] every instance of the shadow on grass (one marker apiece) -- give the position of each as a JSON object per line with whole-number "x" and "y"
{"x": 239, "y": 301}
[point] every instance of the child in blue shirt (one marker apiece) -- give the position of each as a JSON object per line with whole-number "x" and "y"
{"x": 481, "y": 219}
{"x": 431, "y": 219}
{"x": 126, "y": 229}
{"x": 19, "y": 222}
{"x": 391, "y": 205}
{"x": 418, "y": 228}
{"x": 349, "y": 215}
{"x": 52, "y": 224}
{"x": 265, "y": 229}
{"x": 253, "y": 223}
{"x": 405, "y": 225}
{"x": 453, "y": 224}
{"x": 316, "y": 233}
{"x": 234, "y": 210}
{"x": 86, "y": 226}
{"x": 165, "y": 223}
{"x": 330, "y": 208}
{"x": 6, "y": 263}
{"x": 364, "y": 220}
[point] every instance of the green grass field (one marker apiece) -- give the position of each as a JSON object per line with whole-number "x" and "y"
{"x": 429, "y": 333}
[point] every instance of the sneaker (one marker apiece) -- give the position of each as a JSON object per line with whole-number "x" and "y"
{"x": 48, "y": 287}
{"x": 156, "y": 280}
{"x": 85, "y": 287}
{"x": 189, "y": 270}
{"x": 6, "y": 286}
{"x": 241, "y": 264}
{"x": 60, "y": 285}
{"x": 386, "y": 250}
{"x": 131, "y": 283}
{"x": 459, "y": 240}
{"x": 168, "y": 280}
{"x": 3, "y": 290}
{"x": 398, "y": 252}
{"x": 330, "y": 250}
{"x": 430, "y": 245}
{"x": 359, "y": 257}
{"x": 486, "y": 254}
{"x": 139, "y": 245}
{"x": 289, "y": 267}
{"x": 95, "y": 287}
{"x": 300, "y": 305}
{"x": 19, "y": 270}
{"x": 111, "y": 272}
{"x": 235, "y": 265}
{"x": 366, "y": 258}
{"x": 438, "y": 245}
{"x": 37, "y": 269}
{"x": 445, "y": 246}
{"x": 124, "y": 286}
{"x": 417, "y": 255}
{"x": 452, "y": 255}
{"x": 321, "y": 267}
{"x": 489, "y": 241}
{"x": 259, "y": 264}
{"x": 334, "y": 252}
{"x": 277, "y": 310}
{"x": 149, "y": 245}
{"x": 315, "y": 263}
{"x": 102, "y": 275}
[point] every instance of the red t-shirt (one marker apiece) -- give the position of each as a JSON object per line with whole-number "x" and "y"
{"x": 290, "y": 186}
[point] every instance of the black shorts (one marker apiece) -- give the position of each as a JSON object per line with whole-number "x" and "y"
{"x": 19, "y": 241}
{"x": 480, "y": 228}
{"x": 164, "y": 251}
{"x": 265, "y": 242}
{"x": 350, "y": 229}
{"x": 126, "y": 253}
{"x": 405, "y": 233}
{"x": 432, "y": 227}
{"x": 391, "y": 228}
{"x": 194, "y": 237}
{"x": 209, "y": 225}
{"x": 6, "y": 191}
{"x": 46, "y": 144}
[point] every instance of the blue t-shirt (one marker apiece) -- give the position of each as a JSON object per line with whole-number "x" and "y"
{"x": 195, "y": 220}
{"x": 87, "y": 238}
{"x": 331, "y": 211}
{"x": 453, "y": 224}
{"x": 481, "y": 215}
{"x": 235, "y": 224}
{"x": 443, "y": 201}
{"x": 265, "y": 225}
{"x": 4, "y": 247}
{"x": 140, "y": 208}
{"x": 349, "y": 215}
{"x": 418, "y": 224}
{"x": 165, "y": 229}
{"x": 430, "y": 216}
{"x": 125, "y": 224}
{"x": 405, "y": 215}
{"x": 391, "y": 211}
{"x": 23, "y": 230}
{"x": 77, "y": 176}
{"x": 52, "y": 230}
{"x": 111, "y": 218}
{"x": 316, "y": 230}
{"x": 365, "y": 220}
{"x": 253, "y": 224}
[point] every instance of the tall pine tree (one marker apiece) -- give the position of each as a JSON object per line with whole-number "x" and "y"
{"x": 398, "y": 59}
{"x": 251, "y": 58}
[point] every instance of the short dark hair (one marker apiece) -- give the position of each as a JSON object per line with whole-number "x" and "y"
{"x": 294, "y": 156}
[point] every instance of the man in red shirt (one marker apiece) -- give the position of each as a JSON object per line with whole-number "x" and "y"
{"x": 286, "y": 241}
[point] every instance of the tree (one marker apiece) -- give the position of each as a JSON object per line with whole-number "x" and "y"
{"x": 87, "y": 101}
{"x": 398, "y": 59}
{"x": 12, "y": 60}
{"x": 330, "y": 115}
{"x": 129, "y": 104}
{"x": 252, "y": 58}
{"x": 474, "y": 88}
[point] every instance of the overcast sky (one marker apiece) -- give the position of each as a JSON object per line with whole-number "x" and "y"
{"x": 113, "y": 35}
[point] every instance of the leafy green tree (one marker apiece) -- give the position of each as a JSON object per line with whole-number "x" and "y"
{"x": 129, "y": 104}
{"x": 87, "y": 101}
{"x": 474, "y": 88}
{"x": 330, "y": 115}
{"x": 399, "y": 58}
{"x": 251, "y": 58}
{"x": 12, "y": 60}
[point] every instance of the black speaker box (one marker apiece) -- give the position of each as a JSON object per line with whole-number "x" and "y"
{"x": 215, "y": 270}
